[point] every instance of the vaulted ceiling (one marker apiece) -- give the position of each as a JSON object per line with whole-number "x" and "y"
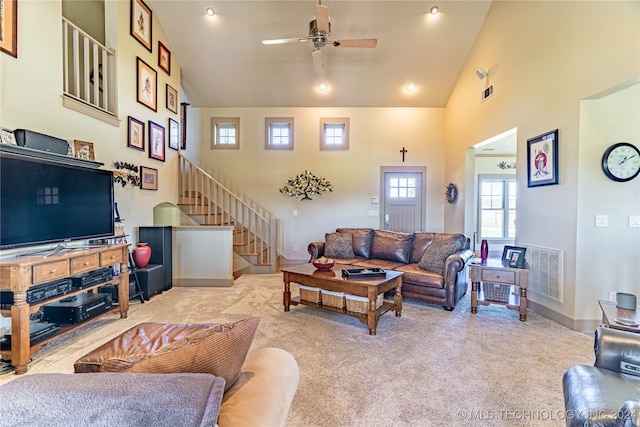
{"x": 224, "y": 64}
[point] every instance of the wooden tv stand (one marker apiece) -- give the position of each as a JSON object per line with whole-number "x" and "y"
{"x": 18, "y": 274}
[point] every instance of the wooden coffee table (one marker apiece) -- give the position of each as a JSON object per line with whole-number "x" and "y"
{"x": 332, "y": 280}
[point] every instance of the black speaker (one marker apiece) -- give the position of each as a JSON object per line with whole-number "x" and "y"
{"x": 40, "y": 141}
{"x": 160, "y": 242}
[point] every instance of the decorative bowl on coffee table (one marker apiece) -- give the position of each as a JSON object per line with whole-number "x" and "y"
{"x": 323, "y": 265}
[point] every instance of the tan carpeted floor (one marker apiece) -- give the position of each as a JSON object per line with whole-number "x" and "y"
{"x": 429, "y": 367}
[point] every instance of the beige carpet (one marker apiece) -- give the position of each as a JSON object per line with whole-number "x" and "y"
{"x": 429, "y": 367}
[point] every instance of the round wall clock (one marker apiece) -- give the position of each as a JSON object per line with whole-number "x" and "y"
{"x": 621, "y": 162}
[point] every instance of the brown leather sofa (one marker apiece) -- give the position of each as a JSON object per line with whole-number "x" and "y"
{"x": 405, "y": 252}
{"x": 607, "y": 393}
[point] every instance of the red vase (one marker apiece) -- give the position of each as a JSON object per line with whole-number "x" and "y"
{"x": 141, "y": 255}
{"x": 484, "y": 250}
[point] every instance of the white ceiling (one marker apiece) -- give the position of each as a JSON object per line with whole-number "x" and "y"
{"x": 224, "y": 64}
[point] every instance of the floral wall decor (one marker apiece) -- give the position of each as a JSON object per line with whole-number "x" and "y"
{"x": 306, "y": 184}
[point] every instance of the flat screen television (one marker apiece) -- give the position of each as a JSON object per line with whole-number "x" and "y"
{"x": 45, "y": 202}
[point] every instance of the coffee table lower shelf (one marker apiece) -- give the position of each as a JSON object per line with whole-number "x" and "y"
{"x": 386, "y": 306}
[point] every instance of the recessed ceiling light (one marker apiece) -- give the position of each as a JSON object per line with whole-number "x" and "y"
{"x": 322, "y": 86}
{"x": 411, "y": 86}
{"x": 434, "y": 10}
{"x": 210, "y": 11}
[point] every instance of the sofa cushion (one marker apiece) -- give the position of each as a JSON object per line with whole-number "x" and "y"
{"x": 338, "y": 245}
{"x": 361, "y": 240}
{"x": 439, "y": 250}
{"x": 391, "y": 246}
{"x": 219, "y": 350}
{"x": 418, "y": 276}
{"x": 111, "y": 399}
{"x": 419, "y": 245}
{"x": 378, "y": 263}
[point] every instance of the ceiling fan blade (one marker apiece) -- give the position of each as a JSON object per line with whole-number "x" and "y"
{"x": 318, "y": 58}
{"x": 322, "y": 18}
{"x": 282, "y": 41}
{"x": 356, "y": 43}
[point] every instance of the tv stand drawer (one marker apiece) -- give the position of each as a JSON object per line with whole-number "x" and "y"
{"x": 110, "y": 257}
{"x": 85, "y": 263}
{"x": 51, "y": 271}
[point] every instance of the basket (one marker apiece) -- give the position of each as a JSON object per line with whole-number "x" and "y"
{"x": 361, "y": 304}
{"x": 496, "y": 292}
{"x": 308, "y": 293}
{"x": 332, "y": 299}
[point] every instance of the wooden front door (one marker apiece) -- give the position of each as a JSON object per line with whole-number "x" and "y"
{"x": 403, "y": 199}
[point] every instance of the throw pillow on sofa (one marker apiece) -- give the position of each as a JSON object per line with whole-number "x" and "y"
{"x": 361, "y": 240}
{"x": 219, "y": 350}
{"x": 439, "y": 250}
{"x": 338, "y": 245}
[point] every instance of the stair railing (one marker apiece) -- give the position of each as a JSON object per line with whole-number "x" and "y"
{"x": 220, "y": 206}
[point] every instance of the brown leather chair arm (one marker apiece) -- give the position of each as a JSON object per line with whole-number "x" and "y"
{"x": 316, "y": 250}
{"x": 617, "y": 350}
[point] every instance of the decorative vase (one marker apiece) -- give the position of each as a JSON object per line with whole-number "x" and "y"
{"x": 484, "y": 250}
{"x": 141, "y": 255}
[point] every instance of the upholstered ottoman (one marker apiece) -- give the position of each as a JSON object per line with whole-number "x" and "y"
{"x": 219, "y": 350}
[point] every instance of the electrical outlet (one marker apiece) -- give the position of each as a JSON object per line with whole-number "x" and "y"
{"x": 295, "y": 248}
{"x": 612, "y": 296}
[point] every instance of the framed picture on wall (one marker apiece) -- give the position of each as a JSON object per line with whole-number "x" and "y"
{"x": 141, "y": 20}
{"x": 164, "y": 58}
{"x": 147, "y": 85}
{"x": 156, "y": 141}
{"x": 83, "y": 150}
{"x": 135, "y": 137}
{"x": 148, "y": 178}
{"x": 174, "y": 131}
{"x": 9, "y": 27}
{"x": 172, "y": 99}
{"x": 542, "y": 159}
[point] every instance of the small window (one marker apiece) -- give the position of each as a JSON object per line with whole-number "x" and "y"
{"x": 225, "y": 132}
{"x": 334, "y": 133}
{"x": 278, "y": 133}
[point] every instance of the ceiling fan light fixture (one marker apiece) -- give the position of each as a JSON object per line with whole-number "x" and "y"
{"x": 434, "y": 10}
{"x": 210, "y": 11}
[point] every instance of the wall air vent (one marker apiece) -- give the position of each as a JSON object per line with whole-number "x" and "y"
{"x": 488, "y": 92}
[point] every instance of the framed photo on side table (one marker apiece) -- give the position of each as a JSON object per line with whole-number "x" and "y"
{"x": 135, "y": 137}
{"x": 174, "y": 131}
{"x": 156, "y": 141}
{"x": 513, "y": 256}
{"x": 542, "y": 159}
{"x": 141, "y": 20}
{"x": 147, "y": 85}
{"x": 148, "y": 178}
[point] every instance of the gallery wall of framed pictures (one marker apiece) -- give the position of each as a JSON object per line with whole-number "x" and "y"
{"x": 152, "y": 133}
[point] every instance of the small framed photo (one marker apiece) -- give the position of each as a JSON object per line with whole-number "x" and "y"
{"x": 83, "y": 150}
{"x": 542, "y": 159}
{"x": 513, "y": 256}
{"x": 147, "y": 85}
{"x": 174, "y": 131}
{"x": 148, "y": 178}
{"x": 7, "y": 137}
{"x": 156, "y": 141}
{"x": 141, "y": 20}
{"x": 172, "y": 99}
{"x": 164, "y": 58}
{"x": 135, "y": 138}
{"x": 9, "y": 27}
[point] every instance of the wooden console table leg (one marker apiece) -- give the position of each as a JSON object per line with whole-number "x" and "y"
{"x": 123, "y": 286}
{"x": 20, "y": 333}
{"x": 474, "y": 297}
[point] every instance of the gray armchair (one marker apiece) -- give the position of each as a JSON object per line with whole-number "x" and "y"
{"x": 608, "y": 393}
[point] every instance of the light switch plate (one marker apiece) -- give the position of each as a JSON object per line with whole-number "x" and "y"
{"x": 634, "y": 221}
{"x": 602, "y": 220}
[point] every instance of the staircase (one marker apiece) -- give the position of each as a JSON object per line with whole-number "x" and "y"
{"x": 209, "y": 203}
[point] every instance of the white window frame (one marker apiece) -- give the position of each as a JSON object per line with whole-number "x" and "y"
{"x": 505, "y": 179}
{"x": 271, "y": 123}
{"x": 220, "y": 123}
{"x": 328, "y": 123}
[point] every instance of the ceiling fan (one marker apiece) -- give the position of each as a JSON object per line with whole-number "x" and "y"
{"x": 319, "y": 32}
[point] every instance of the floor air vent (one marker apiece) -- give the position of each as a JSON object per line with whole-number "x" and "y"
{"x": 545, "y": 266}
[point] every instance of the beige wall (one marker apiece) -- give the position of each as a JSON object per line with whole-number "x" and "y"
{"x": 376, "y": 137}
{"x": 31, "y": 98}
{"x": 544, "y": 58}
